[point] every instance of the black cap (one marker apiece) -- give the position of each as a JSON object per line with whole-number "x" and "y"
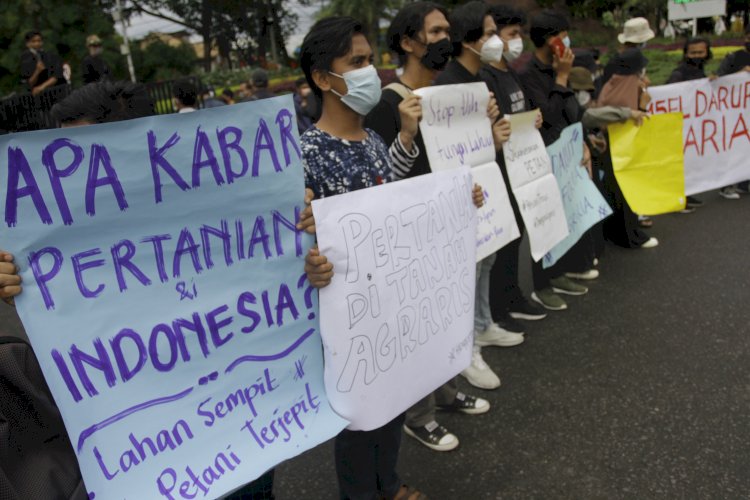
{"x": 585, "y": 59}
{"x": 630, "y": 62}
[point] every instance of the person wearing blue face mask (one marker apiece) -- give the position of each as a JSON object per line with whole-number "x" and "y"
{"x": 340, "y": 155}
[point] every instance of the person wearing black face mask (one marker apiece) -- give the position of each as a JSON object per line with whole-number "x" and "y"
{"x": 419, "y": 36}
{"x": 696, "y": 52}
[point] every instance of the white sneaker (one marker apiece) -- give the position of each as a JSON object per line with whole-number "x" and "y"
{"x": 494, "y": 335}
{"x": 650, "y": 243}
{"x": 729, "y": 193}
{"x": 479, "y": 374}
{"x": 591, "y": 274}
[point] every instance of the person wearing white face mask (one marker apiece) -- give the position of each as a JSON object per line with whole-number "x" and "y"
{"x": 474, "y": 38}
{"x": 506, "y": 300}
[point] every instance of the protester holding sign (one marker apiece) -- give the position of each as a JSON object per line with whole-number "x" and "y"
{"x": 340, "y": 155}
{"x": 695, "y": 54}
{"x": 636, "y": 32}
{"x": 107, "y": 102}
{"x": 419, "y": 35}
{"x": 474, "y": 38}
{"x": 734, "y": 63}
{"x": 10, "y": 281}
{"x": 545, "y": 80}
{"x": 626, "y": 88}
{"x": 506, "y": 300}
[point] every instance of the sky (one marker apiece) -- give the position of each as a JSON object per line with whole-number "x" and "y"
{"x": 143, "y": 24}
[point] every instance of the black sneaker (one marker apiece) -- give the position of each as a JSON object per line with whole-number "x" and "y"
{"x": 523, "y": 309}
{"x": 510, "y": 325}
{"x": 464, "y": 403}
{"x": 693, "y": 202}
{"x": 434, "y": 436}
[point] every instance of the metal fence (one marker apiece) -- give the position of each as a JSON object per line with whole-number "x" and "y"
{"x": 23, "y": 112}
{"x": 161, "y": 93}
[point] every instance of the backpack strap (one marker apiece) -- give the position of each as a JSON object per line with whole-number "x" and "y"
{"x": 399, "y": 88}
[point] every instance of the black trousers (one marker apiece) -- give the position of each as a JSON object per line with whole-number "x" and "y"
{"x": 366, "y": 461}
{"x": 621, "y": 228}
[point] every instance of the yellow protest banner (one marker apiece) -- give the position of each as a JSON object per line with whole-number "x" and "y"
{"x": 649, "y": 164}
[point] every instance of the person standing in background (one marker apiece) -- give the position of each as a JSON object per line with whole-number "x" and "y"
{"x": 40, "y": 70}
{"x": 95, "y": 68}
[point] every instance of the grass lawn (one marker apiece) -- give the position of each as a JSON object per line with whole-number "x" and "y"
{"x": 661, "y": 63}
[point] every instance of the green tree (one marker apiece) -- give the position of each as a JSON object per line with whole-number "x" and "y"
{"x": 64, "y": 26}
{"x": 253, "y": 26}
{"x": 160, "y": 61}
{"x": 367, "y": 12}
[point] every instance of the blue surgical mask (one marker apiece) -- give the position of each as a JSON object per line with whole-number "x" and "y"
{"x": 363, "y": 89}
{"x": 566, "y": 42}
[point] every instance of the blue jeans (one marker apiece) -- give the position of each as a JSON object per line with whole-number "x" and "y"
{"x": 482, "y": 312}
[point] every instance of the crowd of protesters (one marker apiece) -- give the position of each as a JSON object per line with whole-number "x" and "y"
{"x": 356, "y": 134}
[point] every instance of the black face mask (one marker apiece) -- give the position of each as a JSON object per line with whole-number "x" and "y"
{"x": 698, "y": 62}
{"x": 437, "y": 54}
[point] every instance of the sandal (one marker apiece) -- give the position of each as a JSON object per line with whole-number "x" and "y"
{"x": 645, "y": 222}
{"x": 408, "y": 493}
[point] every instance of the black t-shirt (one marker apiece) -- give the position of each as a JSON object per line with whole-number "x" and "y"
{"x": 734, "y": 62}
{"x": 558, "y": 104}
{"x": 386, "y": 121}
{"x": 52, "y": 67}
{"x": 686, "y": 72}
{"x": 507, "y": 89}
{"x": 95, "y": 69}
{"x": 454, "y": 73}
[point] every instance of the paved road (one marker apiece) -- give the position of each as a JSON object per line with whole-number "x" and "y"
{"x": 640, "y": 390}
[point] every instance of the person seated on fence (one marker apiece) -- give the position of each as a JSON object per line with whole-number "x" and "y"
{"x": 184, "y": 96}
{"x": 95, "y": 68}
{"x": 40, "y": 70}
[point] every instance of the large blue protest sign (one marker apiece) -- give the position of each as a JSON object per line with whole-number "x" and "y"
{"x": 165, "y": 297}
{"x": 583, "y": 203}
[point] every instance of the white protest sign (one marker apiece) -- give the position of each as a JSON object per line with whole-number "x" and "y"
{"x": 496, "y": 225}
{"x": 716, "y": 138}
{"x": 455, "y": 126}
{"x": 400, "y": 306}
{"x": 534, "y": 185}
{"x": 457, "y": 132}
